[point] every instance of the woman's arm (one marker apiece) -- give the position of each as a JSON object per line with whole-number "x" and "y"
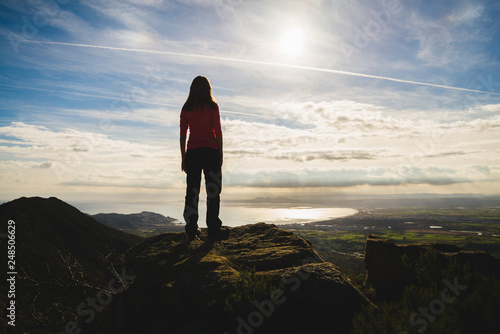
{"x": 216, "y": 124}
{"x": 183, "y": 153}
{"x": 184, "y": 124}
{"x": 219, "y": 144}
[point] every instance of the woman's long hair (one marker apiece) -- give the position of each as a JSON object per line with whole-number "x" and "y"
{"x": 200, "y": 94}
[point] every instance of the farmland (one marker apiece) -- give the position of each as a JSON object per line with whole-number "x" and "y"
{"x": 342, "y": 240}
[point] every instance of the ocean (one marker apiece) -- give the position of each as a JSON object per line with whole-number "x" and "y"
{"x": 230, "y": 214}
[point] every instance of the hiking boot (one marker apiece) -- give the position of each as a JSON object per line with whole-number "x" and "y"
{"x": 193, "y": 234}
{"x": 220, "y": 234}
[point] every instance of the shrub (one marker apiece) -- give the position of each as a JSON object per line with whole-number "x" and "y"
{"x": 447, "y": 298}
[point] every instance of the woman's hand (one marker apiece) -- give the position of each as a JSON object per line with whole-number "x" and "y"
{"x": 219, "y": 145}
{"x": 183, "y": 165}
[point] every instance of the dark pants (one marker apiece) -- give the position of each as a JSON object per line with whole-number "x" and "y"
{"x": 204, "y": 159}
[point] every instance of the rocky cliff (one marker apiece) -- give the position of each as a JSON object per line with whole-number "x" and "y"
{"x": 261, "y": 279}
{"x": 387, "y": 272}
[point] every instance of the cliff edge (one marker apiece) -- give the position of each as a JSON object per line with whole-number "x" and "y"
{"x": 387, "y": 272}
{"x": 262, "y": 279}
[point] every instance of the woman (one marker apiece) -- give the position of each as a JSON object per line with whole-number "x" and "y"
{"x": 200, "y": 114}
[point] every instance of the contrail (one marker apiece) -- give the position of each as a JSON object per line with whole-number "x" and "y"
{"x": 224, "y": 111}
{"x": 258, "y": 62}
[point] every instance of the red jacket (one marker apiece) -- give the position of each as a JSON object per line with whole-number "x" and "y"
{"x": 204, "y": 126}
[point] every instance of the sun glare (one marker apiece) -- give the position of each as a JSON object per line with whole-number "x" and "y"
{"x": 291, "y": 42}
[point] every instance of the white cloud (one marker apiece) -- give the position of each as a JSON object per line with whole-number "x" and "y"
{"x": 466, "y": 13}
{"x": 373, "y": 176}
{"x": 77, "y": 157}
{"x": 313, "y": 142}
{"x": 451, "y": 40}
{"x": 492, "y": 108}
{"x": 71, "y": 23}
{"x": 324, "y": 144}
{"x": 343, "y": 116}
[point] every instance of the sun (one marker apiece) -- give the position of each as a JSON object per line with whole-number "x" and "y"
{"x": 291, "y": 42}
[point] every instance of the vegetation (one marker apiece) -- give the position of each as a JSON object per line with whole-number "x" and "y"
{"x": 450, "y": 299}
{"x": 345, "y": 248}
{"x": 249, "y": 288}
{"x": 477, "y": 228}
{"x": 63, "y": 256}
{"x": 339, "y": 250}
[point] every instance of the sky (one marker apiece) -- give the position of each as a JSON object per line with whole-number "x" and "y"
{"x": 319, "y": 99}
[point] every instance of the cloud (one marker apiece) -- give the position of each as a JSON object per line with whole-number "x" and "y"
{"x": 372, "y": 176}
{"x": 308, "y": 136}
{"x": 77, "y": 157}
{"x": 344, "y": 116}
{"x": 343, "y": 144}
{"x": 346, "y": 131}
{"x": 329, "y": 155}
{"x": 453, "y": 39}
{"x": 149, "y": 3}
{"x": 449, "y": 154}
{"x": 480, "y": 124}
{"x": 225, "y": 9}
{"x": 492, "y": 108}
{"x": 44, "y": 165}
{"x": 71, "y": 23}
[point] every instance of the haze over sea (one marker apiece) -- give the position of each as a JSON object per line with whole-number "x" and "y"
{"x": 246, "y": 215}
{"x": 231, "y": 214}
{"x": 286, "y": 210}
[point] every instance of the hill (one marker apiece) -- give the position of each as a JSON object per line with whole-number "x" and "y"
{"x": 145, "y": 223}
{"x": 61, "y": 254}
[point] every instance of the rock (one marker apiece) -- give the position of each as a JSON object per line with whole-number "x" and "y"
{"x": 262, "y": 279}
{"x": 387, "y": 273}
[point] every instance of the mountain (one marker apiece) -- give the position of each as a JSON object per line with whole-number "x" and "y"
{"x": 148, "y": 223}
{"x": 76, "y": 275}
{"x": 61, "y": 254}
{"x": 261, "y": 279}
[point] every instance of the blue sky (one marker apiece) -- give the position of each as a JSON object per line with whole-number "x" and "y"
{"x": 317, "y": 98}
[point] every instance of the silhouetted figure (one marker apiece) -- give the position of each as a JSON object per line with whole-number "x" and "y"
{"x": 200, "y": 114}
